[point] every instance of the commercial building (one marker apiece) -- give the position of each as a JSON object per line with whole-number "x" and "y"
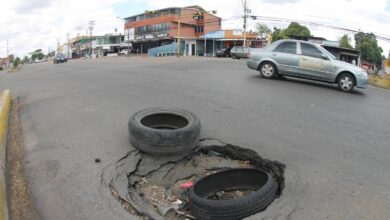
{"x": 211, "y": 41}
{"x": 165, "y": 26}
{"x": 107, "y": 44}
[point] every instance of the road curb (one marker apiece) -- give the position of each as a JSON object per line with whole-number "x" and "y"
{"x": 381, "y": 82}
{"x": 5, "y": 104}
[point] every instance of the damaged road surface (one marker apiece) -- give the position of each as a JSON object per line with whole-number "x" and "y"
{"x": 74, "y": 124}
{"x": 150, "y": 186}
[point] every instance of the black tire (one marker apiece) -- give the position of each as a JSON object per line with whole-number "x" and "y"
{"x": 268, "y": 70}
{"x": 206, "y": 209}
{"x": 164, "y": 131}
{"x": 234, "y": 56}
{"x": 346, "y": 82}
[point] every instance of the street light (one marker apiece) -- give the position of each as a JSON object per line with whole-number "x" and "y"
{"x": 128, "y": 35}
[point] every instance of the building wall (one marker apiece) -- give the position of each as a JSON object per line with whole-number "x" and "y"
{"x": 188, "y": 23}
{"x": 211, "y": 23}
{"x": 149, "y": 21}
{"x": 185, "y": 30}
{"x": 233, "y": 34}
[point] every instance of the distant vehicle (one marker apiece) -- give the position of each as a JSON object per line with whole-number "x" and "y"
{"x": 223, "y": 52}
{"x": 306, "y": 60}
{"x": 238, "y": 52}
{"x": 125, "y": 52}
{"x": 110, "y": 53}
{"x": 60, "y": 58}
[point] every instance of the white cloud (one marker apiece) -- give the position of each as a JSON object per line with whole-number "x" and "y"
{"x": 38, "y": 24}
{"x": 369, "y": 16}
{"x": 32, "y": 24}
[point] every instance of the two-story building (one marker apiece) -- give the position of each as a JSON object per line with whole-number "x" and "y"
{"x": 164, "y": 26}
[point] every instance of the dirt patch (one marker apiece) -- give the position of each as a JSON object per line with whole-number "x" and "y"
{"x": 20, "y": 203}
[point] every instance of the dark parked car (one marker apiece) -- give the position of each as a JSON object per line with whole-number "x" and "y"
{"x": 223, "y": 52}
{"x": 60, "y": 58}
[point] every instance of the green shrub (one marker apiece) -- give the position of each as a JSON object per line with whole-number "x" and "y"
{"x": 16, "y": 62}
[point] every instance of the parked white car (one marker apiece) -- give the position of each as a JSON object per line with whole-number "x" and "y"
{"x": 124, "y": 52}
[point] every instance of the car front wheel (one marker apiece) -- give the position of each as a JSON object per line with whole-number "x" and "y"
{"x": 346, "y": 82}
{"x": 268, "y": 70}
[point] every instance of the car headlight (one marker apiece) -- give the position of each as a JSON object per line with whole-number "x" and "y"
{"x": 363, "y": 73}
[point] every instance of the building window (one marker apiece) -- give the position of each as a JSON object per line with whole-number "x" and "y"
{"x": 174, "y": 11}
{"x": 154, "y": 28}
{"x": 198, "y": 29}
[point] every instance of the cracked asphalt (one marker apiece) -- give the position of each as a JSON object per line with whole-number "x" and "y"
{"x": 335, "y": 145}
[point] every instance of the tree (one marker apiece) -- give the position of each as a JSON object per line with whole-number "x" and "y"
{"x": 25, "y": 60}
{"x": 278, "y": 34}
{"x": 369, "y": 49}
{"x": 37, "y": 56}
{"x": 344, "y": 41}
{"x": 16, "y": 62}
{"x": 295, "y": 29}
{"x": 262, "y": 30}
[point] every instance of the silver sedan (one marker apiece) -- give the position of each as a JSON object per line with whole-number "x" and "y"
{"x": 306, "y": 60}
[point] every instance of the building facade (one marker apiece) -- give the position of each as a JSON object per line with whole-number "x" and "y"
{"x": 107, "y": 44}
{"x": 161, "y": 27}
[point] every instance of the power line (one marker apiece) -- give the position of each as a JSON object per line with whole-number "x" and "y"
{"x": 78, "y": 29}
{"x": 317, "y": 24}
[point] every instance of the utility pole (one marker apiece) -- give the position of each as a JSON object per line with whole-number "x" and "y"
{"x": 128, "y": 35}
{"x": 78, "y": 29}
{"x": 7, "y": 49}
{"x": 90, "y": 27}
{"x": 178, "y": 36}
{"x": 67, "y": 37}
{"x": 245, "y": 11}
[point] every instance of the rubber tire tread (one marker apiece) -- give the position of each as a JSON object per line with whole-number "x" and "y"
{"x": 164, "y": 142}
{"x": 240, "y": 208}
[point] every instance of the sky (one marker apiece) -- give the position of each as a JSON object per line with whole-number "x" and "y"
{"x": 39, "y": 24}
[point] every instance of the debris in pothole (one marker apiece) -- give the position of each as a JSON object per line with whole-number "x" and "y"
{"x": 229, "y": 195}
{"x": 155, "y": 184}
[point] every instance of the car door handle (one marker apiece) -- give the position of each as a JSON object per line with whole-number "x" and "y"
{"x": 304, "y": 58}
{"x": 274, "y": 54}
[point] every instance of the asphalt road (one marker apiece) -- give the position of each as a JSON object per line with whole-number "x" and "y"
{"x": 335, "y": 145}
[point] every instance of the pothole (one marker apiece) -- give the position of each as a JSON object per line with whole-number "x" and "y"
{"x": 154, "y": 187}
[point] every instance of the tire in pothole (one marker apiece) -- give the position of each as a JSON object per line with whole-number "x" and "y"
{"x": 261, "y": 183}
{"x": 164, "y": 131}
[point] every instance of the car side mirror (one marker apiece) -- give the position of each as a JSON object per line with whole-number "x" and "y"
{"x": 324, "y": 57}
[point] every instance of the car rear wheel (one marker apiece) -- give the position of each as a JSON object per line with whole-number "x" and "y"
{"x": 268, "y": 70}
{"x": 346, "y": 82}
{"x": 234, "y": 56}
